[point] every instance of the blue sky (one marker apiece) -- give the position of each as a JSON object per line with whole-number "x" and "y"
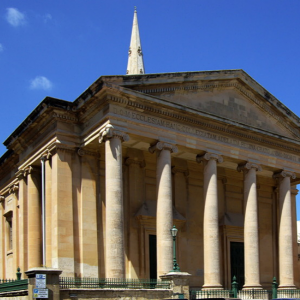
{"x": 58, "y": 48}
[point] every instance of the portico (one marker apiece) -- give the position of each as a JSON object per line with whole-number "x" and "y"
{"x": 144, "y": 153}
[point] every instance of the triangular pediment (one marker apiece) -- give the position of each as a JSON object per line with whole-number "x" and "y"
{"x": 231, "y": 96}
{"x": 232, "y": 106}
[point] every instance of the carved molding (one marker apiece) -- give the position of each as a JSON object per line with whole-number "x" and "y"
{"x": 140, "y": 163}
{"x": 283, "y": 174}
{"x": 13, "y": 188}
{"x": 81, "y": 152}
{"x": 247, "y": 166}
{"x": 2, "y": 198}
{"x": 68, "y": 118}
{"x": 109, "y": 132}
{"x": 208, "y": 156}
{"x": 163, "y": 146}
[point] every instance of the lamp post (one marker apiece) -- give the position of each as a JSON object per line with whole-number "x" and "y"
{"x": 176, "y": 268}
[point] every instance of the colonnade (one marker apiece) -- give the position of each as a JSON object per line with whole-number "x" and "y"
{"x": 115, "y": 266}
{"x": 114, "y": 225}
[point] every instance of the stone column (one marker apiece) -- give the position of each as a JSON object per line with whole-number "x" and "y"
{"x": 115, "y": 255}
{"x": 212, "y": 271}
{"x": 164, "y": 214}
{"x": 251, "y": 238}
{"x": 286, "y": 273}
{"x": 34, "y": 219}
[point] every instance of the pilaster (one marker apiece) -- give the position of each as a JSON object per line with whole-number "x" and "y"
{"x": 34, "y": 217}
{"x": 23, "y": 221}
{"x": 87, "y": 213}
{"x": 62, "y": 237}
{"x": 136, "y": 165}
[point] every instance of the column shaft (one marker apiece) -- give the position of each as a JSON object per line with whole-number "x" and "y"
{"x": 211, "y": 226}
{"x": 251, "y": 238}
{"x": 164, "y": 217}
{"x": 115, "y": 260}
{"x": 286, "y": 273}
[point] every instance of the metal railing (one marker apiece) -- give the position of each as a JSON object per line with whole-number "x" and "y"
{"x": 255, "y": 294}
{"x": 112, "y": 283}
{"x": 288, "y": 293}
{"x": 211, "y": 294}
{"x": 11, "y": 285}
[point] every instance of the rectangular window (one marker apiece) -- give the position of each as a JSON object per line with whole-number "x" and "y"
{"x": 9, "y": 230}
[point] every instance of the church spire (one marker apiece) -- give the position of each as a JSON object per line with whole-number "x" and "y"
{"x": 135, "y": 54}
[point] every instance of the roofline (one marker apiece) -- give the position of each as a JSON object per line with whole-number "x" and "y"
{"x": 47, "y": 102}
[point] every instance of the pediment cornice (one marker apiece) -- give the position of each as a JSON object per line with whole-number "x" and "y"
{"x": 271, "y": 106}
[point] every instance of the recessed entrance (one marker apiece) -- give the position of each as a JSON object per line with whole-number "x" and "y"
{"x": 237, "y": 262}
{"x": 152, "y": 256}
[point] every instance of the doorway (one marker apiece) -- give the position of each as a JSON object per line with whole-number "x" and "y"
{"x": 152, "y": 256}
{"x": 237, "y": 262}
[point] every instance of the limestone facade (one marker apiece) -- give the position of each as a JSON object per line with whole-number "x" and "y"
{"x": 211, "y": 152}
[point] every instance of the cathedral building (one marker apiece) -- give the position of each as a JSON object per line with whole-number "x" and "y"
{"x": 93, "y": 186}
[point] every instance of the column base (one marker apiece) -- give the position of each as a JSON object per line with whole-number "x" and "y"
{"x": 252, "y": 287}
{"x": 286, "y": 287}
{"x": 212, "y": 287}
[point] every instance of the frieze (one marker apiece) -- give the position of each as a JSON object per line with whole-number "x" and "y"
{"x": 203, "y": 124}
{"x": 141, "y": 117}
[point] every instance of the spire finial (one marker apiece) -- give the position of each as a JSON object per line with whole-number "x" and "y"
{"x": 135, "y": 54}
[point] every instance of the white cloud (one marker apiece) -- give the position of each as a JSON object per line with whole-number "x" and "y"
{"x": 1, "y": 48}
{"x": 14, "y": 17}
{"x": 40, "y": 83}
{"x": 47, "y": 18}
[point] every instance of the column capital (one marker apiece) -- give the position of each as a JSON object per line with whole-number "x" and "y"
{"x": 20, "y": 174}
{"x": 208, "y": 156}
{"x": 46, "y": 155}
{"x": 109, "y": 132}
{"x": 248, "y": 166}
{"x": 140, "y": 163}
{"x": 163, "y": 146}
{"x": 283, "y": 174}
{"x": 13, "y": 188}
{"x": 27, "y": 171}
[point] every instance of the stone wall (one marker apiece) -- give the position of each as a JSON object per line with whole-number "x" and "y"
{"x": 71, "y": 294}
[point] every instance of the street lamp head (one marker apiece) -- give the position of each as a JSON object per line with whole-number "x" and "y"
{"x": 174, "y": 231}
